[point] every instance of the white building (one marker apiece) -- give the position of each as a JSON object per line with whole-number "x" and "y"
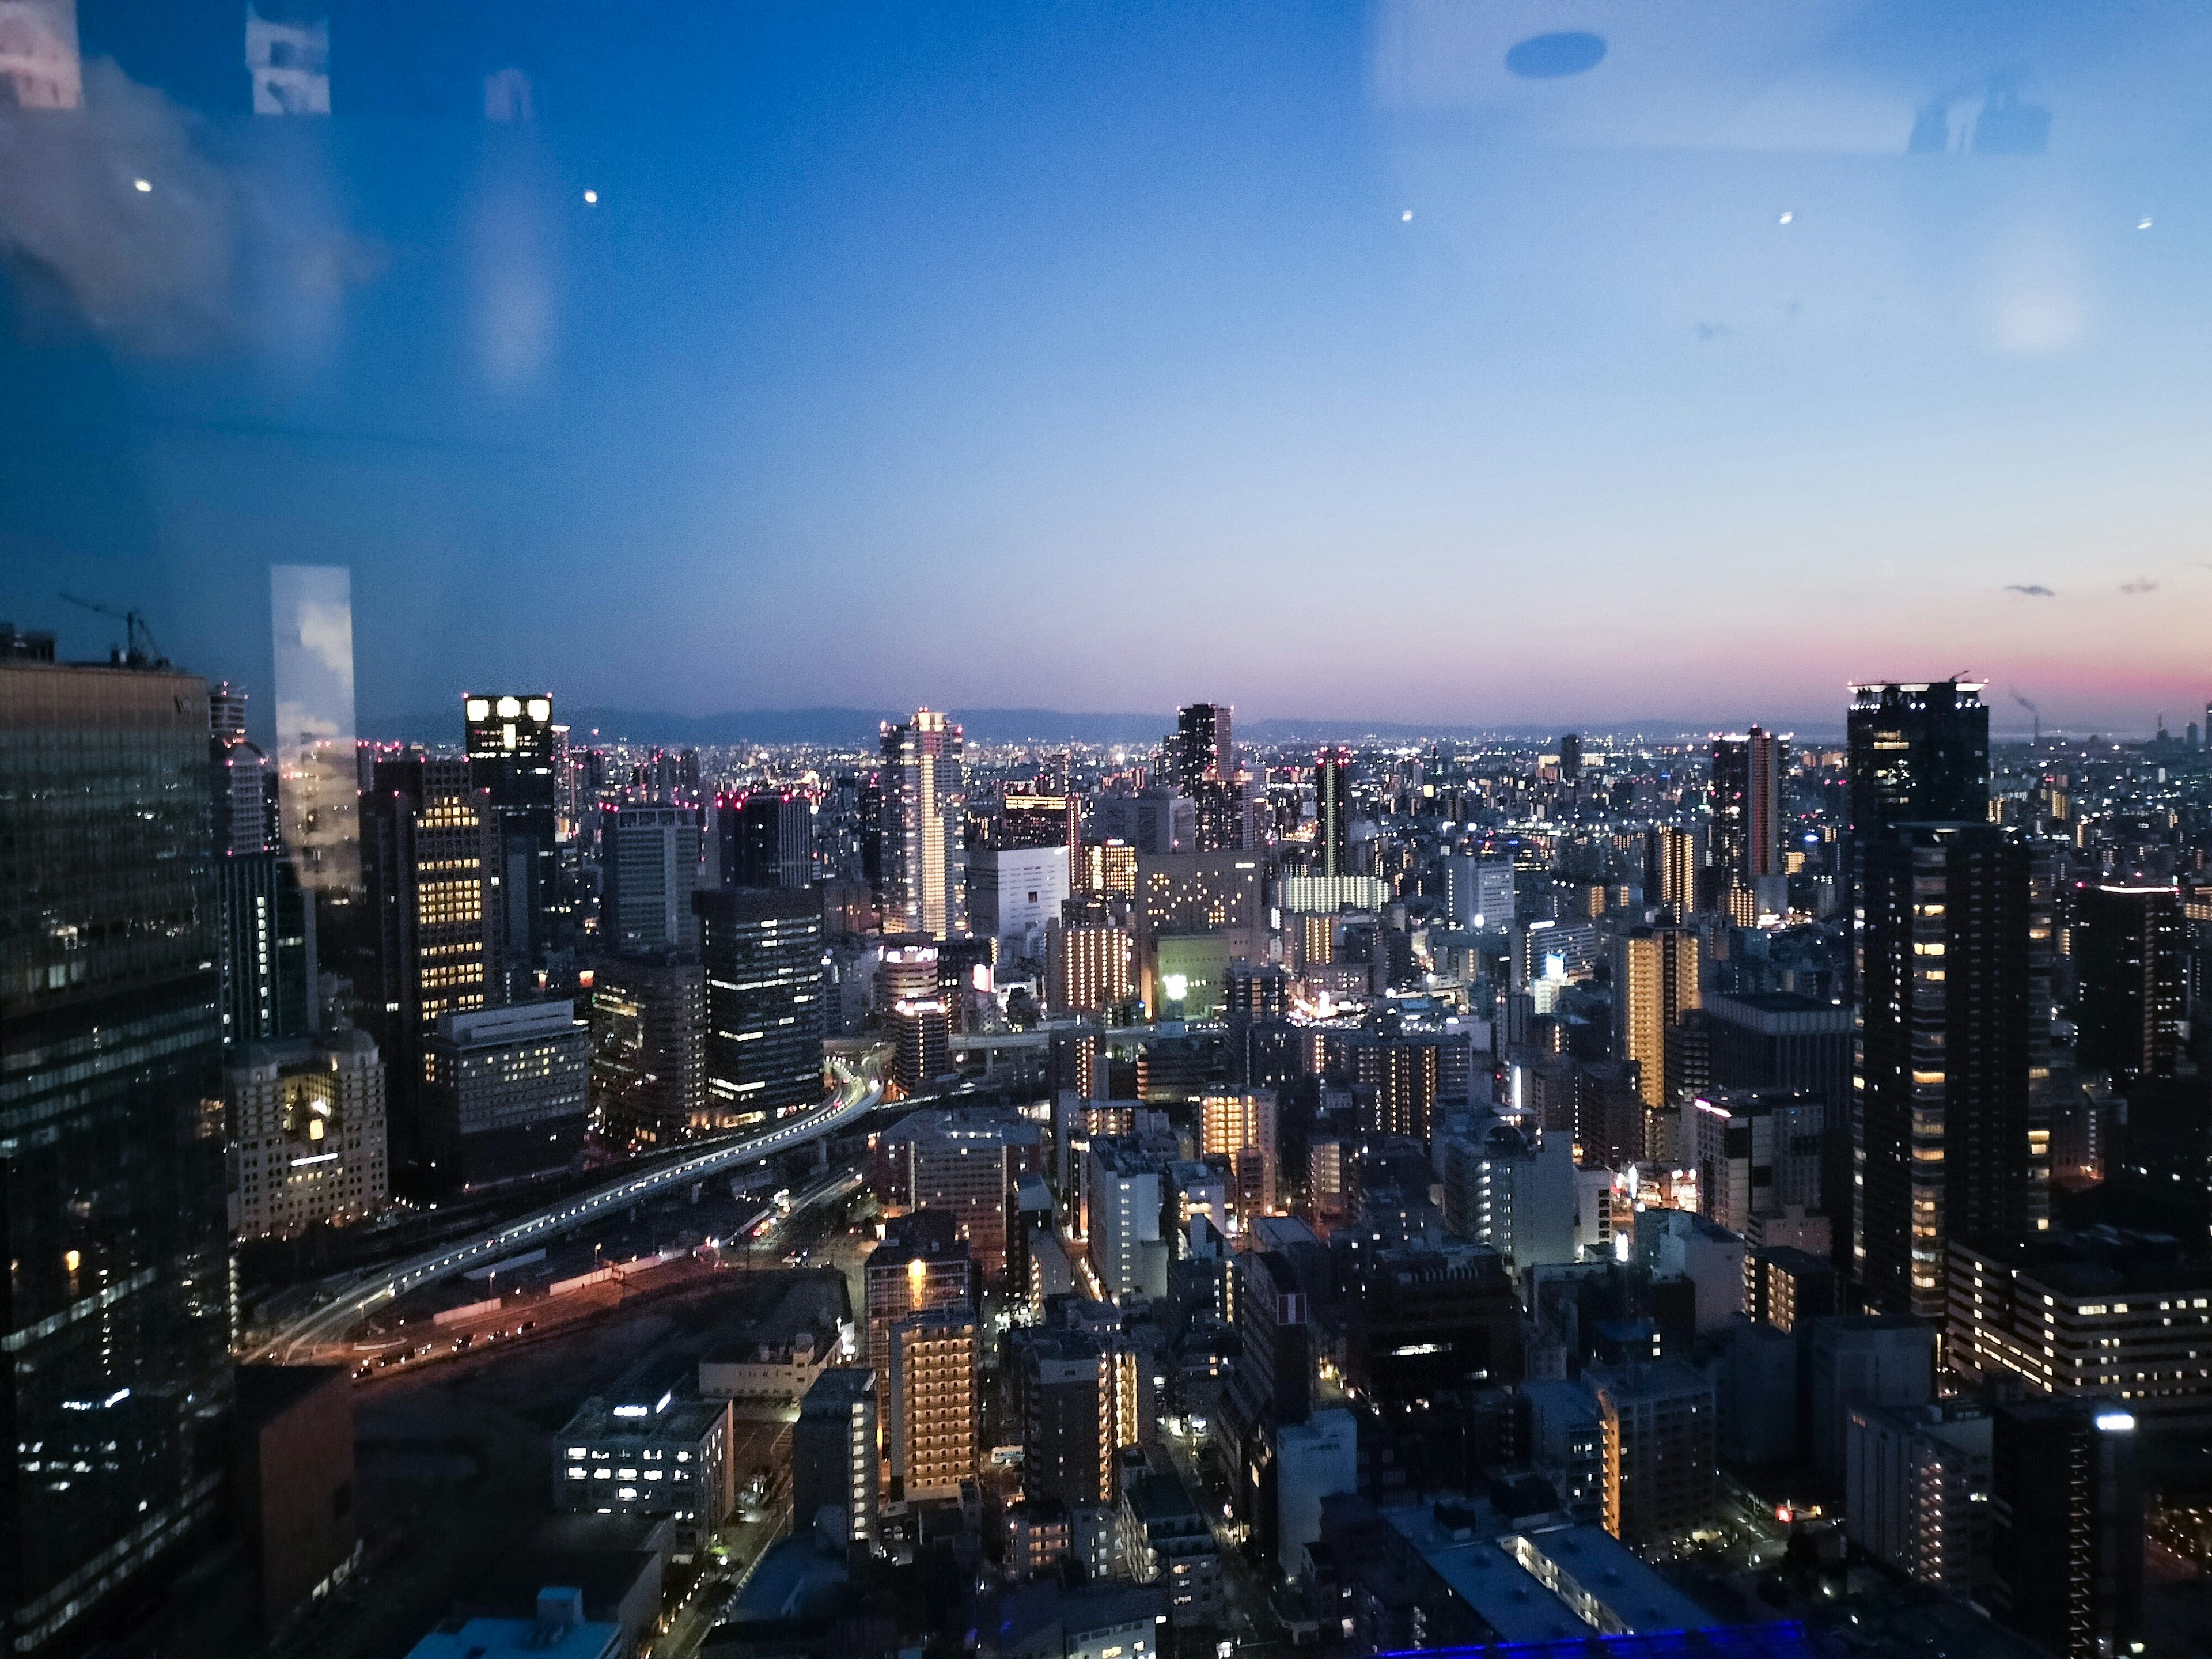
{"x": 1121, "y": 1220}
{"x": 290, "y": 62}
{"x": 304, "y": 1126}
{"x": 1012, "y": 892}
{"x": 1316, "y": 1459}
{"x": 1754, "y": 1152}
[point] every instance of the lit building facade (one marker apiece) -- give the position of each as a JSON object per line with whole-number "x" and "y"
{"x": 1654, "y": 983}
{"x": 761, "y": 948}
{"x": 935, "y": 1429}
{"x": 304, "y": 1135}
{"x": 508, "y": 1093}
{"x": 514, "y": 752}
{"x": 924, "y": 800}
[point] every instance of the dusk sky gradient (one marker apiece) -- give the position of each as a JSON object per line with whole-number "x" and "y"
{"x": 1083, "y": 357}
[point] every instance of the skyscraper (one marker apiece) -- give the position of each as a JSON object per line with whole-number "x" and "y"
{"x": 1201, "y": 747}
{"x": 1747, "y": 804}
{"x": 1333, "y": 810}
{"x": 934, "y": 1428}
{"x": 1951, "y": 1138}
{"x": 118, "y": 1315}
{"x": 1917, "y": 753}
{"x": 765, "y": 838}
{"x": 1654, "y": 983}
{"x": 1571, "y": 758}
{"x": 924, "y": 881}
{"x": 2066, "y": 1525}
{"x": 2127, "y": 948}
{"x": 268, "y": 972}
{"x": 761, "y": 948}
{"x": 649, "y": 868}
{"x": 434, "y": 942}
{"x": 514, "y": 751}
{"x": 1674, "y": 865}
{"x": 649, "y": 1048}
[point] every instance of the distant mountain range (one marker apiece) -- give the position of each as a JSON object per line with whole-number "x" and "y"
{"x": 857, "y": 728}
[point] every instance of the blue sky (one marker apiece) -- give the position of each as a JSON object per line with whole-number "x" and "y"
{"x": 1085, "y": 357}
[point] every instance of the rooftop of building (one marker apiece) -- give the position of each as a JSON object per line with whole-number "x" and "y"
{"x": 2094, "y": 1260}
{"x": 559, "y": 1631}
{"x": 1663, "y": 1379}
{"x": 265, "y": 1392}
{"x": 837, "y": 1389}
{"x": 665, "y": 1418}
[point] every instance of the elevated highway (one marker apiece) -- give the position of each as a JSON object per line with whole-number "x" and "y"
{"x": 859, "y": 1090}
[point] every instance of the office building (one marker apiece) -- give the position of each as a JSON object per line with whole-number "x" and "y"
{"x": 924, "y": 800}
{"x": 303, "y": 1135}
{"x": 1317, "y": 1458}
{"x": 1918, "y": 753}
{"x": 2093, "y": 1312}
{"x": 2127, "y": 949}
{"x": 1479, "y": 892}
{"x": 765, "y": 838}
{"x": 648, "y": 1023}
{"x": 514, "y": 752}
{"x": 964, "y": 1162}
{"x": 934, "y": 1428}
{"x": 1917, "y": 1490}
{"x": 1121, "y": 1202}
{"x": 1201, "y": 746}
{"x": 243, "y": 786}
{"x": 1661, "y": 1441}
{"x": 508, "y": 1093}
{"x": 1013, "y": 894}
{"x": 1033, "y": 818}
{"x": 1786, "y": 1286}
{"x": 109, "y": 999}
{"x": 761, "y": 948}
{"x": 1654, "y": 983}
{"x": 834, "y": 1460}
{"x": 311, "y": 617}
{"x": 430, "y": 857}
{"x": 649, "y": 870}
{"x": 1952, "y": 1138}
{"x": 1153, "y": 822}
{"x": 1201, "y": 893}
{"x": 644, "y": 1452}
{"x": 1754, "y": 1152}
{"x": 267, "y": 959}
{"x": 1422, "y": 1322}
{"x": 1765, "y": 1040}
{"x": 2066, "y": 1526}
{"x": 1333, "y": 813}
{"x": 1748, "y": 805}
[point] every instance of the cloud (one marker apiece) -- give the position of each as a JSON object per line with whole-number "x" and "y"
{"x": 2032, "y": 590}
{"x": 2141, "y": 585}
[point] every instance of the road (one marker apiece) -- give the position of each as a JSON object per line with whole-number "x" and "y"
{"x": 1113, "y": 1036}
{"x": 859, "y": 1090}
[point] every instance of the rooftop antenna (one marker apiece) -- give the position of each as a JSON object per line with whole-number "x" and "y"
{"x": 138, "y": 649}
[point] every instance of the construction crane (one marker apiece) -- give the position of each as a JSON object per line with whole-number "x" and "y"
{"x": 138, "y": 649}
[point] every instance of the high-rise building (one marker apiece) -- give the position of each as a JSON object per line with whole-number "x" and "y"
{"x": 2128, "y": 952}
{"x": 1748, "y": 804}
{"x": 924, "y": 799}
{"x": 311, "y": 613}
{"x": 1479, "y": 892}
{"x": 1121, "y": 1202}
{"x": 1571, "y": 757}
{"x": 1201, "y": 747}
{"x": 921, "y": 1043}
{"x": 649, "y": 1049}
{"x": 1013, "y": 894}
{"x": 761, "y": 948}
{"x": 304, "y": 1135}
{"x": 1333, "y": 810}
{"x": 514, "y": 751}
{"x": 118, "y": 1313}
{"x": 921, "y": 1263}
{"x": 1916, "y": 1486}
{"x": 508, "y": 1093}
{"x": 1037, "y": 818}
{"x": 835, "y": 1461}
{"x": 765, "y": 838}
{"x": 267, "y": 943}
{"x": 1069, "y": 1387}
{"x": 435, "y": 946}
{"x": 1951, "y": 1137}
{"x": 2066, "y": 1525}
{"x": 651, "y": 867}
{"x": 1674, "y": 867}
{"x": 964, "y": 1162}
{"x": 1917, "y": 753}
{"x": 1654, "y": 983}
{"x": 1661, "y": 1437}
{"x": 934, "y": 1428}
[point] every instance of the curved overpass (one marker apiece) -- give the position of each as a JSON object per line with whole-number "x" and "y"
{"x": 859, "y": 1089}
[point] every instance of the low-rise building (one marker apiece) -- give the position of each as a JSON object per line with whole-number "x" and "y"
{"x": 559, "y": 1631}
{"x": 654, "y": 1457}
{"x": 1170, "y": 1542}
